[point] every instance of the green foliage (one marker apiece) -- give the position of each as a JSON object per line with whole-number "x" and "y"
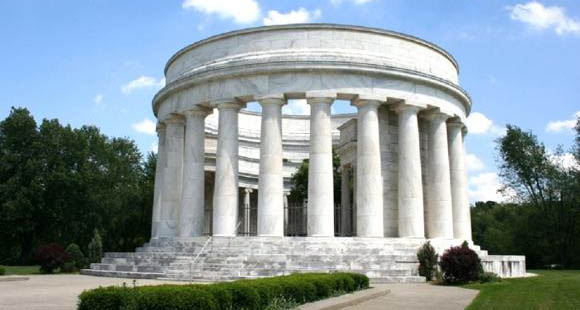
{"x": 68, "y": 267}
{"x": 268, "y": 293}
{"x": 460, "y": 265}
{"x": 427, "y": 257}
{"x": 59, "y": 183}
{"x": 299, "y": 180}
{"x": 2, "y": 270}
{"x": 95, "y": 248}
{"x": 488, "y": 277}
{"x": 549, "y": 190}
{"x": 76, "y": 256}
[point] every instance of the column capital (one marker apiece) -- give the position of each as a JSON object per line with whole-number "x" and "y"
{"x": 229, "y": 104}
{"x": 436, "y": 115}
{"x": 160, "y": 127}
{"x": 321, "y": 100}
{"x": 407, "y": 107}
{"x": 359, "y": 103}
{"x": 197, "y": 111}
{"x": 272, "y": 100}
{"x": 456, "y": 124}
{"x": 248, "y": 190}
{"x": 174, "y": 118}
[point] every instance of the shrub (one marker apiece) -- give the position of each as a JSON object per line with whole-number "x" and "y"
{"x": 427, "y": 261}
{"x": 68, "y": 267}
{"x": 50, "y": 257}
{"x": 76, "y": 256}
{"x": 489, "y": 277}
{"x": 95, "y": 248}
{"x": 260, "y": 294}
{"x": 460, "y": 265}
{"x": 2, "y": 270}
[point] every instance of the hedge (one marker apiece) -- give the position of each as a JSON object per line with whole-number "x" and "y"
{"x": 239, "y": 295}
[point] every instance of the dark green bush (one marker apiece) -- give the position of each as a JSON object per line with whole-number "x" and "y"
{"x": 259, "y": 294}
{"x": 76, "y": 256}
{"x": 2, "y": 270}
{"x": 68, "y": 267}
{"x": 460, "y": 265}
{"x": 489, "y": 277}
{"x": 427, "y": 261}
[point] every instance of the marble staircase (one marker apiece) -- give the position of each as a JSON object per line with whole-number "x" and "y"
{"x": 383, "y": 260}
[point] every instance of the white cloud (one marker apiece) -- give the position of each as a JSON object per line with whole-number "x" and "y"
{"x": 241, "y": 11}
{"x": 142, "y": 82}
{"x": 146, "y": 126}
{"x": 154, "y": 147}
{"x": 296, "y": 107}
{"x": 98, "y": 99}
{"x": 556, "y": 126}
{"x": 478, "y": 123}
{"x": 538, "y": 16}
{"x": 566, "y": 161}
{"x": 473, "y": 163}
{"x": 293, "y": 17}
{"x": 484, "y": 187}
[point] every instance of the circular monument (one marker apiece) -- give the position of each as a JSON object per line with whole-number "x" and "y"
{"x": 221, "y": 208}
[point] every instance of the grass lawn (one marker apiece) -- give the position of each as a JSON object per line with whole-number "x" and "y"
{"x": 20, "y": 270}
{"x": 551, "y": 289}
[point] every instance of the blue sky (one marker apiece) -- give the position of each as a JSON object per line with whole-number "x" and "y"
{"x": 100, "y": 62}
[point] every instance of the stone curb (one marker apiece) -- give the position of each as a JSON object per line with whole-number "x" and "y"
{"x": 348, "y": 300}
{"x": 12, "y": 278}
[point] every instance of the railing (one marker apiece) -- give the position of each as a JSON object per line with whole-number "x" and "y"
{"x": 196, "y": 257}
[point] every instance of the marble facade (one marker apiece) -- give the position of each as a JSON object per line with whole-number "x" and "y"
{"x": 222, "y": 169}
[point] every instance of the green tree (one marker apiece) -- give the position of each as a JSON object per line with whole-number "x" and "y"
{"x": 299, "y": 180}
{"x": 550, "y": 190}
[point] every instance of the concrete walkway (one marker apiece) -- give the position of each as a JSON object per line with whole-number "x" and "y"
{"x": 53, "y": 292}
{"x": 419, "y": 296}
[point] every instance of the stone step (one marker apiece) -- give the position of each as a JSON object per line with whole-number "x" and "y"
{"x": 122, "y": 274}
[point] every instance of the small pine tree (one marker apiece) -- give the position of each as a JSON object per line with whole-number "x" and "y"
{"x": 76, "y": 255}
{"x": 427, "y": 257}
{"x": 95, "y": 248}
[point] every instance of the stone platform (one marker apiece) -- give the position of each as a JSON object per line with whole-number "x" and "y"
{"x": 384, "y": 260}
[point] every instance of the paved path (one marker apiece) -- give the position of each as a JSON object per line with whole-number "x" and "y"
{"x": 53, "y": 292}
{"x": 419, "y": 296}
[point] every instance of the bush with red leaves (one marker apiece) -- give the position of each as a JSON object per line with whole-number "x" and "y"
{"x": 460, "y": 264}
{"x": 51, "y": 257}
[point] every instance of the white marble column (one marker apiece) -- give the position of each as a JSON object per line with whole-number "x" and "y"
{"x": 461, "y": 209}
{"x": 270, "y": 180}
{"x": 226, "y": 195}
{"x": 286, "y": 212}
{"x": 158, "y": 187}
{"x": 247, "y": 210}
{"x": 191, "y": 217}
{"x": 439, "y": 221}
{"x": 410, "y": 200}
{"x": 320, "y": 172}
{"x": 346, "y": 214}
{"x": 172, "y": 176}
{"x": 369, "y": 180}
